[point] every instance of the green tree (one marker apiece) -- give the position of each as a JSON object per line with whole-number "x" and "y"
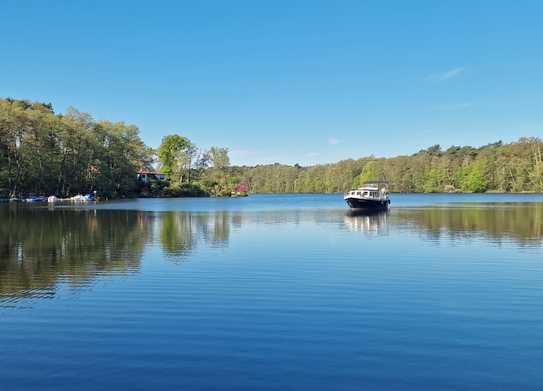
{"x": 176, "y": 154}
{"x": 369, "y": 172}
{"x": 473, "y": 178}
{"x": 46, "y": 153}
{"x": 219, "y": 157}
{"x": 433, "y": 180}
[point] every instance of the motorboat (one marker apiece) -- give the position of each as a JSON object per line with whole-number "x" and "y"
{"x": 372, "y": 195}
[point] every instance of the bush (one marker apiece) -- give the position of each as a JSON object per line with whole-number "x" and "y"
{"x": 184, "y": 190}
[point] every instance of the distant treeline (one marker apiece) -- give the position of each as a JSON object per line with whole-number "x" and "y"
{"x": 514, "y": 167}
{"x": 42, "y": 152}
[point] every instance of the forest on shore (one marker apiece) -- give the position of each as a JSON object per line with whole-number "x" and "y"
{"x": 497, "y": 167}
{"x": 48, "y": 153}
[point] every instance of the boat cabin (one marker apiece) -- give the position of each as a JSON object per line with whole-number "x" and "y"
{"x": 365, "y": 193}
{"x": 372, "y": 190}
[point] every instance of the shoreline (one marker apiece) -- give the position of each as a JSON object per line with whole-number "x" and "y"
{"x": 24, "y": 199}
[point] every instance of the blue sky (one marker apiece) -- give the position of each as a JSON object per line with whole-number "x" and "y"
{"x": 286, "y": 81}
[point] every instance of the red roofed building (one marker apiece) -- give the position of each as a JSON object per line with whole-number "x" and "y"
{"x": 146, "y": 176}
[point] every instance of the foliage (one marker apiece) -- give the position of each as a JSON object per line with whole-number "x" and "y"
{"x": 176, "y": 153}
{"x": 473, "y": 178}
{"x": 184, "y": 190}
{"x": 42, "y": 152}
{"x": 46, "y": 153}
{"x": 219, "y": 157}
{"x": 514, "y": 167}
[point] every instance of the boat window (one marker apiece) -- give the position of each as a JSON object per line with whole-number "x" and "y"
{"x": 357, "y": 193}
{"x": 366, "y": 193}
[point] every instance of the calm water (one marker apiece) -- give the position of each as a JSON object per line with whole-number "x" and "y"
{"x": 270, "y": 292}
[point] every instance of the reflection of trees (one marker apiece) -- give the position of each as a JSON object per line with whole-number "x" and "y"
{"x": 176, "y": 233}
{"x": 180, "y": 232}
{"x": 38, "y": 247}
{"x": 221, "y": 228}
{"x": 522, "y": 222}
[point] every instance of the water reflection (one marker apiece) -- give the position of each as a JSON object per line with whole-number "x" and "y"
{"x": 519, "y": 222}
{"x": 180, "y": 232}
{"x": 372, "y": 223}
{"x": 40, "y": 247}
{"x": 176, "y": 233}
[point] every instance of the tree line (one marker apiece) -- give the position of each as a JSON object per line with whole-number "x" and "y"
{"x": 497, "y": 167}
{"x": 47, "y": 153}
{"x": 64, "y": 154}
{"x": 43, "y": 152}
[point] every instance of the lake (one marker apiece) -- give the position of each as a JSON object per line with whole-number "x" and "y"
{"x": 273, "y": 292}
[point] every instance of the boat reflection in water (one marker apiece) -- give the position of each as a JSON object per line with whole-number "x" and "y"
{"x": 367, "y": 221}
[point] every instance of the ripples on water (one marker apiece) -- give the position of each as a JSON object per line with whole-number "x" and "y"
{"x": 222, "y": 294}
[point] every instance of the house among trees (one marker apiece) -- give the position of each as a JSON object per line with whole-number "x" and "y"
{"x": 148, "y": 176}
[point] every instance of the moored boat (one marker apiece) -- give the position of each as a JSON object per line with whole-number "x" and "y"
{"x": 84, "y": 198}
{"x": 36, "y": 199}
{"x": 372, "y": 195}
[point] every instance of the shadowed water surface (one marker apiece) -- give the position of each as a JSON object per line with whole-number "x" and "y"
{"x": 273, "y": 293}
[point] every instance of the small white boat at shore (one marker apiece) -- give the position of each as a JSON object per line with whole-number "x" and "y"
{"x": 77, "y": 198}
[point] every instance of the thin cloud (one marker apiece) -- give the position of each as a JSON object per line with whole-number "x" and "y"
{"x": 333, "y": 141}
{"x": 450, "y": 74}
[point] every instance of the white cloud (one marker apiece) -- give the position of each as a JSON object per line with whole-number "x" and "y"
{"x": 450, "y": 74}
{"x": 333, "y": 141}
{"x": 312, "y": 154}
